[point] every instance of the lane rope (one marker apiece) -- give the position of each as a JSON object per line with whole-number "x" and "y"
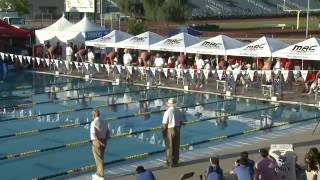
{"x": 25, "y": 105}
{"x": 39, "y": 93}
{"x": 143, "y": 155}
{"x": 125, "y": 134}
{"x": 71, "y": 125}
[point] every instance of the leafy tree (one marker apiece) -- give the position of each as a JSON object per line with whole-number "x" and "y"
{"x": 21, "y": 6}
{"x": 135, "y": 27}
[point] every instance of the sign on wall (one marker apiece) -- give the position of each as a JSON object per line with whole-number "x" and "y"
{"x": 79, "y": 5}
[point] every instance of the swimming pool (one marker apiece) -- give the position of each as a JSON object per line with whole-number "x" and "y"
{"x": 44, "y": 121}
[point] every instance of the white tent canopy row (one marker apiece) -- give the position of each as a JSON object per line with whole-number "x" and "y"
{"x": 65, "y": 31}
{"x": 306, "y": 50}
{"x": 142, "y": 41}
{"x": 109, "y": 40}
{"x": 263, "y": 47}
{"x": 215, "y": 46}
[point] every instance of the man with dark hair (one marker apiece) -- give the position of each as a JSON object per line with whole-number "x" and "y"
{"x": 242, "y": 171}
{"x": 214, "y": 172}
{"x": 250, "y": 162}
{"x": 143, "y": 174}
{"x": 99, "y": 133}
{"x": 265, "y": 167}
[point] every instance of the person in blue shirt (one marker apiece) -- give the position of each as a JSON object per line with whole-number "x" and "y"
{"x": 143, "y": 174}
{"x": 242, "y": 171}
{"x": 214, "y": 172}
{"x": 250, "y": 162}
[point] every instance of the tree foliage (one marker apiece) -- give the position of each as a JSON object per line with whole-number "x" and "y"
{"x": 158, "y": 10}
{"x": 135, "y": 27}
{"x": 20, "y": 6}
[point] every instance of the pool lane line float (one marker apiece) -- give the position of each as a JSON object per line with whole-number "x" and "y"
{"x": 31, "y": 117}
{"x": 25, "y": 87}
{"x": 53, "y": 89}
{"x": 74, "y": 125}
{"x": 125, "y": 134}
{"x": 143, "y": 155}
{"x": 50, "y": 91}
{"x": 69, "y": 99}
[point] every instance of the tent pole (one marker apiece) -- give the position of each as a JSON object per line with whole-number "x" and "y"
{"x": 302, "y": 64}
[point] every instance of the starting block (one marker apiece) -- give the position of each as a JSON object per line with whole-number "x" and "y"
{"x": 57, "y": 73}
{"x": 86, "y": 77}
{"x": 186, "y": 88}
{"x": 274, "y": 98}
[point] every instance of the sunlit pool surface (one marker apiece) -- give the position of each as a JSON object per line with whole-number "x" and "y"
{"x": 28, "y": 103}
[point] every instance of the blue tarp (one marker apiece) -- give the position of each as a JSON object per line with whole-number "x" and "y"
{"x": 188, "y": 30}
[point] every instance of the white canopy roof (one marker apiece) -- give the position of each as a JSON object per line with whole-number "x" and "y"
{"x": 307, "y": 50}
{"x": 109, "y": 40}
{"x": 85, "y": 28}
{"x": 51, "y": 31}
{"x": 176, "y": 43}
{"x": 84, "y": 25}
{"x": 215, "y": 46}
{"x": 142, "y": 41}
{"x": 263, "y": 47}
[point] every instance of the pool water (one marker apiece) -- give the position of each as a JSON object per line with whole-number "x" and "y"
{"x": 28, "y": 104}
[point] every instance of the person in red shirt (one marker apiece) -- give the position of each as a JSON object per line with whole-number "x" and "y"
{"x": 312, "y": 81}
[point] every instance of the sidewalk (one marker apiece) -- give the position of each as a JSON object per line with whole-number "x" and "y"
{"x": 302, "y": 142}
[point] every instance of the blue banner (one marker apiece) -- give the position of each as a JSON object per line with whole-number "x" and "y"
{"x": 95, "y": 34}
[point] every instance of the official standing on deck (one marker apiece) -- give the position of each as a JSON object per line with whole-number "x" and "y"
{"x": 99, "y": 134}
{"x": 171, "y": 124}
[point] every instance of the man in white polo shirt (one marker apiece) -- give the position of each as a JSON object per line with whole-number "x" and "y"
{"x": 99, "y": 134}
{"x": 171, "y": 123}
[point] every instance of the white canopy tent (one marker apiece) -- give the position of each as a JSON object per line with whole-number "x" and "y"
{"x": 176, "y": 43}
{"x": 142, "y": 41}
{"x": 52, "y": 31}
{"x": 81, "y": 31}
{"x": 215, "y": 46}
{"x": 305, "y": 50}
{"x": 109, "y": 40}
{"x": 263, "y": 47}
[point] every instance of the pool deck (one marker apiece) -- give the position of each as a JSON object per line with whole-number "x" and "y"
{"x": 197, "y": 160}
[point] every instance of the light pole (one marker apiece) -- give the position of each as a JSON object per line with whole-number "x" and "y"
{"x": 101, "y": 15}
{"x": 119, "y": 17}
{"x": 307, "y": 27}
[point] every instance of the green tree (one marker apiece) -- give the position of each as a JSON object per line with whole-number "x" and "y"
{"x": 20, "y": 6}
{"x": 135, "y": 27}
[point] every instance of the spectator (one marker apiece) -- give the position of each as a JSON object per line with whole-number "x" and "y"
{"x": 214, "y": 172}
{"x": 69, "y": 54}
{"x": 110, "y": 57}
{"x": 143, "y": 174}
{"x": 47, "y": 47}
{"x": 127, "y": 58}
{"x": 250, "y": 163}
{"x": 158, "y": 61}
{"x": 311, "y": 160}
{"x": 265, "y": 167}
{"x": 81, "y": 53}
{"x": 90, "y": 56}
{"x": 55, "y": 52}
{"x": 242, "y": 171}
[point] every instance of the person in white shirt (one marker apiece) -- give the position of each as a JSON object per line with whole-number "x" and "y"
{"x": 158, "y": 61}
{"x": 99, "y": 134}
{"x": 69, "y": 54}
{"x": 127, "y": 58}
{"x": 172, "y": 120}
{"x": 90, "y": 56}
{"x": 199, "y": 62}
